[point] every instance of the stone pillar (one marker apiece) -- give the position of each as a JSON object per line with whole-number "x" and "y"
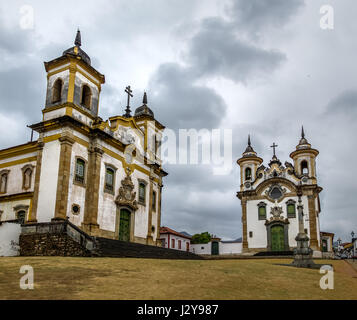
{"x": 158, "y": 224}
{"x": 33, "y": 212}
{"x": 244, "y": 222}
{"x": 149, "y": 238}
{"x": 312, "y": 221}
{"x": 64, "y": 171}
{"x": 90, "y": 221}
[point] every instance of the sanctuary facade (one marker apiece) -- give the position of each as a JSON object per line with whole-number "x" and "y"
{"x": 105, "y": 177}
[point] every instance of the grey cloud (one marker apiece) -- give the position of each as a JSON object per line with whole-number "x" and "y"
{"x": 179, "y": 103}
{"x": 344, "y": 103}
{"x": 22, "y": 91}
{"x": 257, "y": 15}
{"x": 216, "y": 51}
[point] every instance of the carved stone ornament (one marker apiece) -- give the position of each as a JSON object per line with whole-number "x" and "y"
{"x": 126, "y": 195}
{"x": 125, "y": 135}
{"x": 276, "y": 213}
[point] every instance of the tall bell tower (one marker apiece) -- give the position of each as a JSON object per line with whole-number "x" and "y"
{"x": 72, "y": 83}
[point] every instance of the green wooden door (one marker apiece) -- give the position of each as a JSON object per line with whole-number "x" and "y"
{"x": 124, "y": 226}
{"x": 277, "y": 238}
{"x": 215, "y": 250}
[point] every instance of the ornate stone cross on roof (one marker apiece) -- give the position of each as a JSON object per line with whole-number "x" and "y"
{"x": 274, "y": 146}
{"x": 127, "y": 111}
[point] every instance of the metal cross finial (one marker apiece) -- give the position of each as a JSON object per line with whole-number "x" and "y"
{"x": 302, "y": 132}
{"x": 127, "y": 111}
{"x": 248, "y": 139}
{"x": 274, "y": 146}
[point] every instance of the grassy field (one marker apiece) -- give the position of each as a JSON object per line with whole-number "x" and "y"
{"x": 106, "y": 278}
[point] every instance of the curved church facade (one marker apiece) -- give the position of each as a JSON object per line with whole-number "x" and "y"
{"x": 270, "y": 197}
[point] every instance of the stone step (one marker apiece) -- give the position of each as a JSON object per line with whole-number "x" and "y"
{"x": 116, "y": 248}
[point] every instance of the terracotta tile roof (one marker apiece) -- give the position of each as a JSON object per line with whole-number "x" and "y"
{"x": 164, "y": 230}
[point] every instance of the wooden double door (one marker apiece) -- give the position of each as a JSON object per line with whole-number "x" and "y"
{"x": 277, "y": 238}
{"x": 124, "y": 225}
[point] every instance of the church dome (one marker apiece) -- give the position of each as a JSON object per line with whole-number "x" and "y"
{"x": 249, "y": 151}
{"x": 77, "y": 51}
{"x": 144, "y": 110}
{"x": 303, "y": 143}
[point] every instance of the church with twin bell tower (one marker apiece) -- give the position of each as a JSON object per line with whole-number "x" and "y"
{"x": 104, "y": 177}
{"x": 270, "y": 197}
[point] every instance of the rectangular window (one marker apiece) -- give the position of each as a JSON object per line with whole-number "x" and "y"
{"x": 179, "y": 244}
{"x": 142, "y": 191}
{"x": 173, "y": 243}
{"x": 250, "y": 234}
{"x": 291, "y": 210}
{"x": 153, "y": 201}
{"x": 109, "y": 179}
{"x": 262, "y": 212}
{"x": 80, "y": 167}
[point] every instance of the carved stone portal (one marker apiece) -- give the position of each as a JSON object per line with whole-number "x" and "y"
{"x": 126, "y": 195}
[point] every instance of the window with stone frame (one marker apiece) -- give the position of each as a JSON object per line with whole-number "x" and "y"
{"x": 21, "y": 216}
{"x": 142, "y": 192}
{"x": 248, "y": 174}
{"x": 86, "y": 97}
{"x": 153, "y": 201}
{"x": 291, "y": 208}
{"x": 109, "y": 179}
{"x": 262, "y": 211}
{"x": 57, "y": 91}
{"x": 173, "y": 243}
{"x": 4, "y": 177}
{"x": 80, "y": 171}
{"x": 179, "y": 244}
{"x": 27, "y": 176}
{"x": 304, "y": 167}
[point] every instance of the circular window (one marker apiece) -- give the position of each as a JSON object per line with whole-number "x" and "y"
{"x": 75, "y": 209}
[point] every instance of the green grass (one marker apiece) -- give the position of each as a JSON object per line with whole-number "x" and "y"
{"x": 107, "y": 278}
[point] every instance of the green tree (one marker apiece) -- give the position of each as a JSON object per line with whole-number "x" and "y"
{"x": 203, "y": 237}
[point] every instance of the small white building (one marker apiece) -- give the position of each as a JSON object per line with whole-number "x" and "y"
{"x": 172, "y": 239}
{"x": 218, "y": 247}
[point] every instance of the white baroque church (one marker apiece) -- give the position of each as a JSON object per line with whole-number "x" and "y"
{"x": 270, "y": 196}
{"x": 105, "y": 177}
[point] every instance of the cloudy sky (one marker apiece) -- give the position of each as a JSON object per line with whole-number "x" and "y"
{"x": 262, "y": 67}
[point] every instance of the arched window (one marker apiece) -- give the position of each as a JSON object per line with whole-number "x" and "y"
{"x": 109, "y": 179}
{"x": 21, "y": 216}
{"x": 86, "y": 97}
{"x": 142, "y": 192}
{"x": 57, "y": 91}
{"x": 3, "y": 181}
{"x": 80, "y": 171}
{"x": 27, "y": 176}
{"x": 248, "y": 174}
{"x": 304, "y": 167}
{"x": 262, "y": 211}
{"x": 291, "y": 209}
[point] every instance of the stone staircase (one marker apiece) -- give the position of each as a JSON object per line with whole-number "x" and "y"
{"x": 274, "y": 253}
{"x": 62, "y": 238}
{"x": 115, "y": 248}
